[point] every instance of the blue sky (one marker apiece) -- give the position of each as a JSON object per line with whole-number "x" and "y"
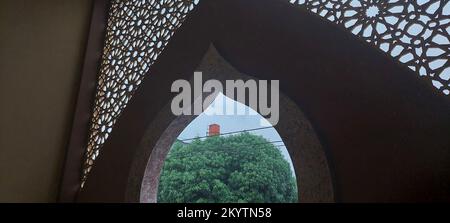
{"x": 234, "y": 122}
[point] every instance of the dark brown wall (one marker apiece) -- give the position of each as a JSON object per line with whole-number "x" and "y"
{"x": 384, "y": 130}
{"x": 42, "y": 46}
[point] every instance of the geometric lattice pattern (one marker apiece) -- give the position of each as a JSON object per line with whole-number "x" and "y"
{"x": 136, "y": 33}
{"x": 413, "y": 32}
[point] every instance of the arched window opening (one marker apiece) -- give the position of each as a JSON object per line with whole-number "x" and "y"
{"x": 230, "y": 125}
{"x": 228, "y": 158}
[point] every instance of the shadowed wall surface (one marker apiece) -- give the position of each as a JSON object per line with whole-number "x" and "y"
{"x": 42, "y": 45}
{"x": 384, "y": 130}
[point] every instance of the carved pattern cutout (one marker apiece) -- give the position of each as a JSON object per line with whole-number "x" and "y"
{"x": 137, "y": 32}
{"x": 413, "y": 32}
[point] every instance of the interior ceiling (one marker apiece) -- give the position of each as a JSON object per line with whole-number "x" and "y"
{"x": 41, "y": 49}
{"x": 42, "y": 45}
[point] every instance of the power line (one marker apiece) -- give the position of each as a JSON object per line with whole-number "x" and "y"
{"x": 262, "y": 143}
{"x": 227, "y": 133}
{"x": 245, "y": 145}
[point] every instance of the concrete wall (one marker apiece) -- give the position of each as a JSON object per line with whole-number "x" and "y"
{"x": 42, "y": 46}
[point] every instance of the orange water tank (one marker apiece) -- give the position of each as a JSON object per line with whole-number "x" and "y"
{"x": 213, "y": 130}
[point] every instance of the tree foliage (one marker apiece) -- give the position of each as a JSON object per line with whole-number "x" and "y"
{"x": 240, "y": 168}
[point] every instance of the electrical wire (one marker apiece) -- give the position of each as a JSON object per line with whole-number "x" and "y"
{"x": 227, "y": 133}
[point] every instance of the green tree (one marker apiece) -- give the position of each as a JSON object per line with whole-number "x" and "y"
{"x": 239, "y": 168}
